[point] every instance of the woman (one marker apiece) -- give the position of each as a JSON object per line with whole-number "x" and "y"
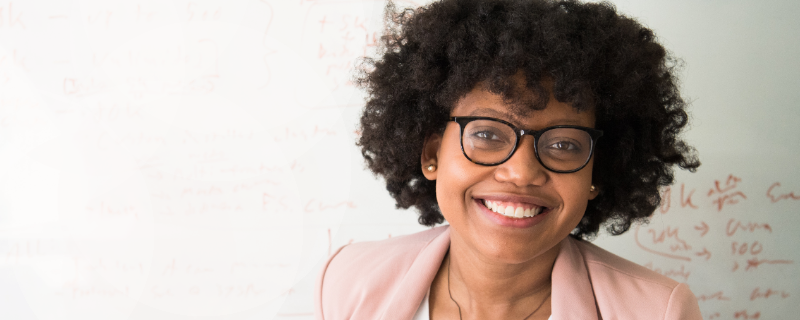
{"x": 526, "y": 124}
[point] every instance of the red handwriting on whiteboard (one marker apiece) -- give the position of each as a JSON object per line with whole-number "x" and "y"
{"x": 703, "y": 228}
{"x": 144, "y": 14}
{"x": 11, "y": 17}
{"x": 678, "y": 244}
{"x": 705, "y": 253}
{"x": 26, "y": 249}
{"x": 160, "y": 292}
{"x": 337, "y": 39}
{"x": 349, "y": 26}
{"x": 687, "y": 200}
{"x": 74, "y": 291}
{"x": 104, "y": 111}
{"x": 99, "y": 18}
{"x": 174, "y": 267}
{"x": 303, "y": 134}
{"x": 754, "y": 263}
{"x": 83, "y": 86}
{"x": 753, "y": 248}
{"x": 726, "y": 193}
{"x": 769, "y": 293}
{"x": 666, "y": 198}
{"x": 719, "y": 295}
{"x": 661, "y": 253}
{"x": 274, "y": 203}
{"x": 196, "y": 12}
{"x": 111, "y": 265}
{"x": 108, "y": 210}
{"x": 745, "y": 315}
{"x": 735, "y": 225}
{"x": 15, "y": 59}
{"x": 776, "y": 196}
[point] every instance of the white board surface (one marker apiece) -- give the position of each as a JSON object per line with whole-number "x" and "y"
{"x": 188, "y": 159}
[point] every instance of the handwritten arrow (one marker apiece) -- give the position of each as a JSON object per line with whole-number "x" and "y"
{"x": 702, "y": 228}
{"x": 704, "y": 253}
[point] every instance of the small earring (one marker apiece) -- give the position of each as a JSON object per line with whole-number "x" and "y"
{"x": 592, "y": 188}
{"x": 431, "y": 168}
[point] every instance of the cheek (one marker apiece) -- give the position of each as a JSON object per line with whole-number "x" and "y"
{"x": 576, "y": 192}
{"x": 456, "y": 174}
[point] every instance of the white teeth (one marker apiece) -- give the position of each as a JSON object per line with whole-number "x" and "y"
{"x": 518, "y": 212}
{"x": 511, "y": 211}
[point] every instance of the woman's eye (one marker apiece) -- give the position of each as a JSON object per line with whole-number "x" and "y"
{"x": 564, "y": 146}
{"x": 486, "y": 135}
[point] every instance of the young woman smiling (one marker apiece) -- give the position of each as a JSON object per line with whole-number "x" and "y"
{"x": 526, "y": 125}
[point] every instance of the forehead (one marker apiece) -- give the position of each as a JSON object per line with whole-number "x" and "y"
{"x": 481, "y": 102}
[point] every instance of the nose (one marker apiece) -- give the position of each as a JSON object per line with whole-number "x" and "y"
{"x": 523, "y": 169}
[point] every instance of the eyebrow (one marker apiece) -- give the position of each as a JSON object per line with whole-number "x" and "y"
{"x": 513, "y": 117}
{"x": 510, "y": 117}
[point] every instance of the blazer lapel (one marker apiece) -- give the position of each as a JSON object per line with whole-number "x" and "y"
{"x": 572, "y": 295}
{"x": 417, "y": 281}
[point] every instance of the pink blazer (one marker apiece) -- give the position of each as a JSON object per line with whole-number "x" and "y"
{"x": 388, "y": 280}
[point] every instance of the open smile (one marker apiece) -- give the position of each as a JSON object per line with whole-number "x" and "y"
{"x": 512, "y": 214}
{"x": 512, "y": 209}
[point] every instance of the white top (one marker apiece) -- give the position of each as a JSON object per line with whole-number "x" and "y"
{"x": 424, "y": 314}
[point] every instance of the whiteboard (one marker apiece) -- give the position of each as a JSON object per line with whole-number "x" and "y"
{"x": 179, "y": 159}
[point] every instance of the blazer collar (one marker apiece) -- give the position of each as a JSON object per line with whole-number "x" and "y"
{"x": 417, "y": 281}
{"x": 572, "y": 295}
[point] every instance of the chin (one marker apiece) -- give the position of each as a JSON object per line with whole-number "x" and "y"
{"x": 517, "y": 253}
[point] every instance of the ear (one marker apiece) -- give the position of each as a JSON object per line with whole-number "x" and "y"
{"x": 430, "y": 155}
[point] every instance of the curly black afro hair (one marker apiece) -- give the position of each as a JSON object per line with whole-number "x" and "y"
{"x": 595, "y": 58}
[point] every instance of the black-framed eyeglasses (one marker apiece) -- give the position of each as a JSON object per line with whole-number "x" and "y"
{"x": 489, "y": 142}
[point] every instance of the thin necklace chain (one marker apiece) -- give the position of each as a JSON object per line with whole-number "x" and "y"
{"x": 459, "y": 307}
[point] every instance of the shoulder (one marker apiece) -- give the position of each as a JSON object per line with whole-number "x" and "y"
{"x": 361, "y": 278}
{"x": 395, "y": 250}
{"x": 606, "y": 264}
{"x": 629, "y": 290}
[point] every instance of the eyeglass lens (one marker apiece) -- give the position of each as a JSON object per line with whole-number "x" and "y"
{"x": 560, "y": 149}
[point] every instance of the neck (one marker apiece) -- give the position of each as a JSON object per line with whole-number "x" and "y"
{"x": 488, "y": 285}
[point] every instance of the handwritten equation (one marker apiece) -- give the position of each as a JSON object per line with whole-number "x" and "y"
{"x": 724, "y": 230}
